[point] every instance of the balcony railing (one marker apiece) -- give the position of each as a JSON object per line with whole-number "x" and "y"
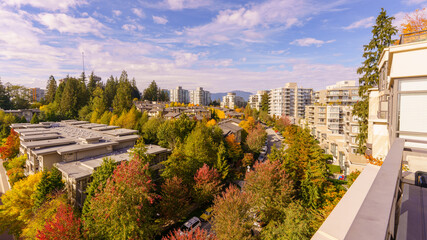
{"x": 381, "y": 204}
{"x": 413, "y": 37}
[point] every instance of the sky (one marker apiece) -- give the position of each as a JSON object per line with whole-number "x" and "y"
{"x": 215, "y": 44}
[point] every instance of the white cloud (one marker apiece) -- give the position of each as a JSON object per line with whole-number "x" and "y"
{"x": 279, "y": 52}
{"x": 253, "y": 22}
{"x": 414, "y": 2}
{"x": 51, "y": 5}
{"x": 117, "y": 13}
{"x": 160, "y": 20}
{"x": 400, "y": 17}
{"x": 67, "y": 24}
{"x": 132, "y": 27}
{"x": 182, "y": 4}
{"x": 185, "y": 59}
{"x": 138, "y": 12}
{"x": 306, "y": 42}
{"x": 363, "y": 23}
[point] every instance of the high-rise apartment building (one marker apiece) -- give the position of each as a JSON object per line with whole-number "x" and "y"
{"x": 179, "y": 95}
{"x": 290, "y": 101}
{"x": 36, "y": 94}
{"x": 231, "y": 101}
{"x": 200, "y": 97}
{"x": 256, "y": 99}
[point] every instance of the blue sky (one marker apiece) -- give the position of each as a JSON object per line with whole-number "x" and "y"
{"x": 215, "y": 44}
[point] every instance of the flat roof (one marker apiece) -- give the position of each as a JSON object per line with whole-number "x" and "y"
{"x": 40, "y": 137}
{"x": 47, "y": 143}
{"x": 76, "y": 122}
{"x": 154, "y": 149}
{"x": 24, "y": 130}
{"x": 120, "y": 132}
{"x": 84, "y": 147}
{"x": 91, "y": 125}
{"x": 36, "y": 126}
{"x": 126, "y": 138}
{"x": 46, "y": 131}
{"x": 105, "y": 128}
{"x": 84, "y": 168}
{"x": 44, "y": 151}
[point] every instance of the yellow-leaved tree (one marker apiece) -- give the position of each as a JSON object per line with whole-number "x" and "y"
{"x": 414, "y": 22}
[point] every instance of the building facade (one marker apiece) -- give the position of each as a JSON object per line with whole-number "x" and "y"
{"x": 255, "y": 101}
{"x": 179, "y": 95}
{"x": 290, "y": 101}
{"x": 200, "y": 97}
{"x": 232, "y": 101}
{"x": 36, "y": 94}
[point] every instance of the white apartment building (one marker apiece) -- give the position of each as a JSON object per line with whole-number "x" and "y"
{"x": 231, "y": 101}
{"x": 255, "y": 100}
{"x": 200, "y": 97}
{"x": 179, "y": 95}
{"x": 290, "y": 101}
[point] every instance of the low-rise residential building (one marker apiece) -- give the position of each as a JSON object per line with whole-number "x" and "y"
{"x": 231, "y": 101}
{"x": 27, "y": 113}
{"x": 255, "y": 101}
{"x": 290, "y": 101}
{"x": 231, "y": 126}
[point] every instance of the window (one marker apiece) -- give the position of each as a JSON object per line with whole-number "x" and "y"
{"x": 353, "y": 140}
{"x": 355, "y": 129}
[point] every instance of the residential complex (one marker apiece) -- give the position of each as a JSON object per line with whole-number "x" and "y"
{"x": 77, "y": 148}
{"x": 200, "y": 97}
{"x": 387, "y": 202}
{"x": 332, "y": 123}
{"x": 255, "y": 101}
{"x": 179, "y": 95}
{"x": 290, "y": 101}
{"x": 231, "y": 100}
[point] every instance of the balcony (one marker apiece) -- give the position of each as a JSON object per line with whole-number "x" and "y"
{"x": 413, "y": 37}
{"x": 383, "y": 203}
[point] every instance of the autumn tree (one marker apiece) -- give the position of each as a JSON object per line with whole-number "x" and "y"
{"x": 248, "y": 160}
{"x": 270, "y": 188}
{"x": 201, "y": 145}
{"x": 15, "y": 168}
{"x": 382, "y": 32}
{"x": 150, "y": 130}
{"x": 256, "y": 138}
{"x": 207, "y": 184}
{"x": 10, "y": 148}
{"x": 124, "y": 209}
{"x": 18, "y": 204}
{"x": 197, "y": 234}
{"x": 45, "y": 213}
{"x": 51, "y": 182}
{"x": 64, "y": 225}
{"x": 175, "y": 199}
{"x": 414, "y": 22}
{"x": 282, "y": 123}
{"x": 234, "y": 148}
{"x": 231, "y": 215}
{"x": 171, "y": 131}
{"x": 179, "y": 165}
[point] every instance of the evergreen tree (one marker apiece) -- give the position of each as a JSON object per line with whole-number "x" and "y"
{"x": 122, "y": 100}
{"x": 83, "y": 77}
{"x": 100, "y": 177}
{"x": 110, "y": 91}
{"x": 135, "y": 92}
{"x": 152, "y": 92}
{"x": 59, "y": 92}
{"x": 382, "y": 33}
{"x": 51, "y": 90}
{"x": 51, "y": 181}
{"x": 265, "y": 102}
{"x": 4, "y": 98}
{"x": 69, "y": 99}
{"x": 99, "y": 103}
{"x": 221, "y": 163}
{"x": 92, "y": 84}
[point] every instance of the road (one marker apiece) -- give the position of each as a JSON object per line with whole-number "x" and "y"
{"x": 271, "y": 136}
{"x": 4, "y": 186}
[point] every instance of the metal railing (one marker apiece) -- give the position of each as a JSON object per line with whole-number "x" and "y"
{"x": 413, "y": 37}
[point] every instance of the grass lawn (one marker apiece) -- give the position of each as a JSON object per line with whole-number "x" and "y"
{"x": 334, "y": 168}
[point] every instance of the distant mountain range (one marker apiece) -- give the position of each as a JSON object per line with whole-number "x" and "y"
{"x": 243, "y": 94}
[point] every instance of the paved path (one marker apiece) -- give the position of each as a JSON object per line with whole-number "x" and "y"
{"x": 4, "y": 186}
{"x": 270, "y": 136}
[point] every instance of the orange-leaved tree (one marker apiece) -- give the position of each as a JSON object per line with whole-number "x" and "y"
{"x": 415, "y": 21}
{"x": 10, "y": 147}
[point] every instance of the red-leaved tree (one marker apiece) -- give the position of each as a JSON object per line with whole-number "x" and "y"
{"x": 174, "y": 201}
{"x": 208, "y": 184}
{"x": 270, "y": 188}
{"x": 125, "y": 207}
{"x": 198, "y": 234}
{"x": 10, "y": 148}
{"x": 232, "y": 215}
{"x": 64, "y": 225}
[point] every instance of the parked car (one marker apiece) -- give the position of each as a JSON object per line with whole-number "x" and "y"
{"x": 264, "y": 148}
{"x": 190, "y": 225}
{"x": 206, "y": 215}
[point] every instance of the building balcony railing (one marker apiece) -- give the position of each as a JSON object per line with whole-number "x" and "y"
{"x": 381, "y": 204}
{"x": 413, "y": 37}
